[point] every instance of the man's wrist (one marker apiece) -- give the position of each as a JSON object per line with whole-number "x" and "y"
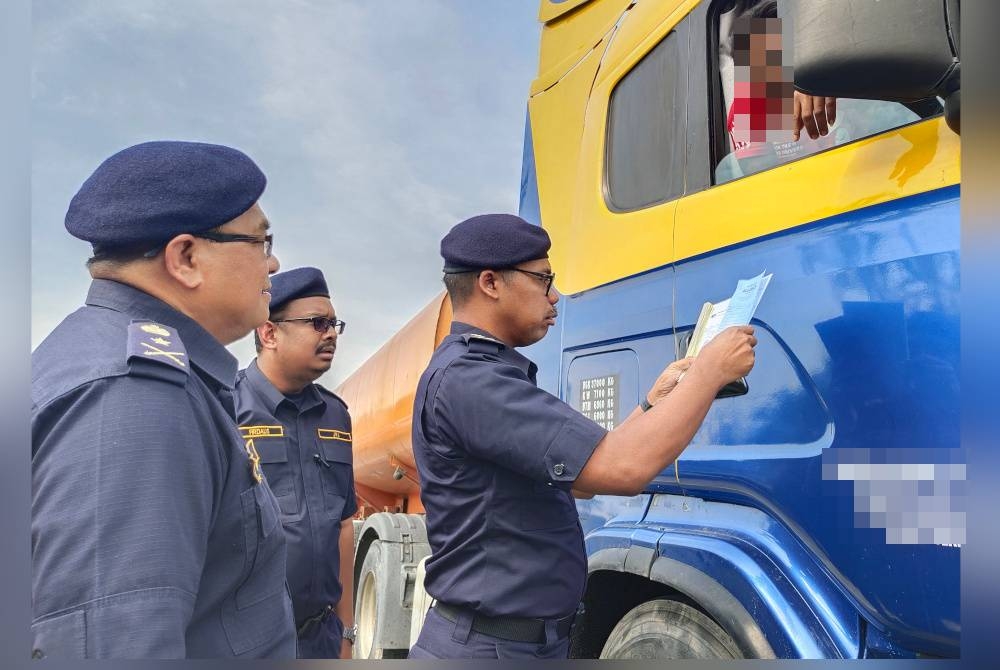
{"x": 713, "y": 378}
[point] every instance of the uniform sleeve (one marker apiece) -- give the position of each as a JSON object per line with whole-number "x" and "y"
{"x": 351, "y": 501}
{"x": 124, "y": 475}
{"x": 492, "y": 411}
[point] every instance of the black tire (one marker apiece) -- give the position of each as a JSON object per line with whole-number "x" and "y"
{"x": 666, "y": 629}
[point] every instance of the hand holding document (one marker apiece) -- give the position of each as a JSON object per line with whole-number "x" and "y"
{"x": 737, "y": 310}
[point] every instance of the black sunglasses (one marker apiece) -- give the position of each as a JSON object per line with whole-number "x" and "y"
{"x": 319, "y": 323}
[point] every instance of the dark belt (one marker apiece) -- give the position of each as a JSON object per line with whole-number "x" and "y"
{"x": 315, "y": 619}
{"x": 511, "y": 628}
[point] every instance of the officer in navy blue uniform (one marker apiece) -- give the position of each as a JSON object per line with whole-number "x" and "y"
{"x": 153, "y": 531}
{"x": 500, "y": 459}
{"x": 303, "y": 435}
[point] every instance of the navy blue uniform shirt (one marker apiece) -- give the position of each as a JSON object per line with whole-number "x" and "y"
{"x": 305, "y": 450}
{"x": 151, "y": 536}
{"x": 497, "y": 457}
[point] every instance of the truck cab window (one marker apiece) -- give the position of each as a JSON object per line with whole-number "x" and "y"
{"x": 645, "y": 136}
{"x": 757, "y": 110}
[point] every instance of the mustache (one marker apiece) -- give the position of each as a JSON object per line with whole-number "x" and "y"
{"x": 330, "y": 347}
{"x": 553, "y": 314}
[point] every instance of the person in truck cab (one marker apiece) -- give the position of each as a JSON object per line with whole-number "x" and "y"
{"x": 764, "y": 114}
{"x": 767, "y": 121}
{"x": 499, "y": 458}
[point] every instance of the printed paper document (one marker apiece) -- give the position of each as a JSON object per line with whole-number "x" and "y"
{"x": 734, "y": 311}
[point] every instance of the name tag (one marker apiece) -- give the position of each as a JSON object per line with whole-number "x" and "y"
{"x": 250, "y": 432}
{"x": 331, "y": 434}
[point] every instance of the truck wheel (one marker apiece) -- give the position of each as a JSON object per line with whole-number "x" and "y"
{"x": 385, "y": 563}
{"x": 367, "y": 608}
{"x": 665, "y": 629}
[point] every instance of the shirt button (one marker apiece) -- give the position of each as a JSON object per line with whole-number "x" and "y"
{"x": 558, "y": 469}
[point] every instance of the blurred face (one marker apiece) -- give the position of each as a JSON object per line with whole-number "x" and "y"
{"x": 237, "y": 284}
{"x": 528, "y": 311}
{"x": 763, "y": 89}
{"x": 300, "y": 350}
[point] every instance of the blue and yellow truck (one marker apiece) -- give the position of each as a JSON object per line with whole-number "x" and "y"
{"x": 818, "y": 513}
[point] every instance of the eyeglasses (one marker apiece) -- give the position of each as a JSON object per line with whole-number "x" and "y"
{"x": 547, "y": 277}
{"x": 266, "y": 240}
{"x": 319, "y": 323}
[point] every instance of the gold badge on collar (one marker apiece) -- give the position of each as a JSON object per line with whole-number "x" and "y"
{"x": 155, "y": 329}
{"x": 254, "y": 457}
{"x": 174, "y": 356}
{"x": 157, "y": 342}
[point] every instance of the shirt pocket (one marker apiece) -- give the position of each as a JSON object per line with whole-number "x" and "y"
{"x": 277, "y": 468}
{"x": 260, "y": 612}
{"x": 265, "y": 548}
{"x": 335, "y": 474}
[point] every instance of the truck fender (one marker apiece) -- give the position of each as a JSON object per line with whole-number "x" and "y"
{"x": 709, "y": 594}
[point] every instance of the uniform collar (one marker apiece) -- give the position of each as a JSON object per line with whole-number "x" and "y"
{"x": 203, "y": 350}
{"x": 507, "y": 353}
{"x": 272, "y": 395}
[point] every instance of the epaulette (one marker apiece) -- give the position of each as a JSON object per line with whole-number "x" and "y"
{"x": 156, "y": 350}
{"x": 333, "y": 395}
{"x": 480, "y": 344}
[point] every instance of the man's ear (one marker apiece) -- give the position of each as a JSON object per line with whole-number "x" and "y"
{"x": 488, "y": 281}
{"x": 267, "y": 333}
{"x": 182, "y": 262}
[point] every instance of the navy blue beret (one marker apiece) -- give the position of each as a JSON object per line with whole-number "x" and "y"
{"x": 295, "y": 284}
{"x": 149, "y": 193}
{"x": 493, "y": 241}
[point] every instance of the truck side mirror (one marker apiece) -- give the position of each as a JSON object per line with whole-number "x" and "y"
{"x": 897, "y": 50}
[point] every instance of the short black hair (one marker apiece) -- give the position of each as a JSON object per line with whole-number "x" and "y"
{"x": 118, "y": 257}
{"x": 461, "y": 285}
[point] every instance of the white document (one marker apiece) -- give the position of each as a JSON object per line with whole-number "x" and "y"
{"x": 735, "y": 311}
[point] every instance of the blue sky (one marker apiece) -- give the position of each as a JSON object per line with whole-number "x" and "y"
{"x": 379, "y": 125}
